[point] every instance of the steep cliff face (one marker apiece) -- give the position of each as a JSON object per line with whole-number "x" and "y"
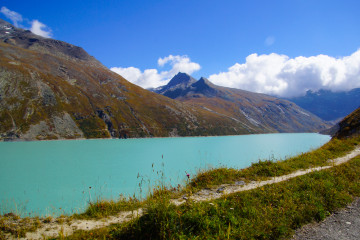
{"x": 53, "y": 90}
{"x": 259, "y": 112}
{"x": 349, "y": 126}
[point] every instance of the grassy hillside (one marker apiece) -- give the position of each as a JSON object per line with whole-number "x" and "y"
{"x": 349, "y": 126}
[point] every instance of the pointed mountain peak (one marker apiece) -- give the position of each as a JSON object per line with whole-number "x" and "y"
{"x": 176, "y": 86}
{"x": 182, "y": 85}
{"x": 205, "y": 81}
{"x": 181, "y": 79}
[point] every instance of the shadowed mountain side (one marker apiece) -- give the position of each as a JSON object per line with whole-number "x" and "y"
{"x": 259, "y": 112}
{"x": 328, "y": 105}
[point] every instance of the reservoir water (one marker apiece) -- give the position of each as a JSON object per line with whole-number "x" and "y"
{"x": 60, "y": 177}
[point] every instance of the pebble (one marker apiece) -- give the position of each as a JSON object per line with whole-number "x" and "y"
{"x": 240, "y": 183}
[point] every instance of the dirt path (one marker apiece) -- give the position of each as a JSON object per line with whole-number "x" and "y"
{"x": 214, "y": 193}
{"x": 54, "y": 229}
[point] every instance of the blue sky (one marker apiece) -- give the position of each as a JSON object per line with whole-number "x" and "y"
{"x": 275, "y": 47}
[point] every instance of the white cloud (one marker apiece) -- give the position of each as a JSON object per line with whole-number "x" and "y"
{"x": 37, "y": 27}
{"x": 148, "y": 78}
{"x": 152, "y": 77}
{"x": 283, "y": 76}
{"x": 13, "y": 16}
{"x": 178, "y": 64}
{"x": 40, "y": 29}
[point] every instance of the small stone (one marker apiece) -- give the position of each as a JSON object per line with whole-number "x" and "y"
{"x": 220, "y": 190}
{"x": 349, "y": 223}
{"x": 240, "y": 183}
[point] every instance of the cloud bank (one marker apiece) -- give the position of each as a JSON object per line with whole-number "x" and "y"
{"x": 288, "y": 77}
{"x": 152, "y": 77}
{"x": 37, "y": 27}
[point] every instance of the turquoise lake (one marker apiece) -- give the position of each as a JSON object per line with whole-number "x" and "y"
{"x": 54, "y": 177}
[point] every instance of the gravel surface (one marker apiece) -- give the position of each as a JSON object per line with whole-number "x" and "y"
{"x": 342, "y": 225}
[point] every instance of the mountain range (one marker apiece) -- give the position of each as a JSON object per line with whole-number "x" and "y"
{"x": 51, "y": 89}
{"x": 329, "y": 105}
{"x": 256, "y": 111}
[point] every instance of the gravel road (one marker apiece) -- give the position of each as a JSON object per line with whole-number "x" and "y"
{"x": 342, "y": 225}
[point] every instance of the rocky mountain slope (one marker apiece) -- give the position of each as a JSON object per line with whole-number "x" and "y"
{"x": 50, "y": 89}
{"x": 349, "y": 126}
{"x": 259, "y": 112}
{"x": 328, "y": 105}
